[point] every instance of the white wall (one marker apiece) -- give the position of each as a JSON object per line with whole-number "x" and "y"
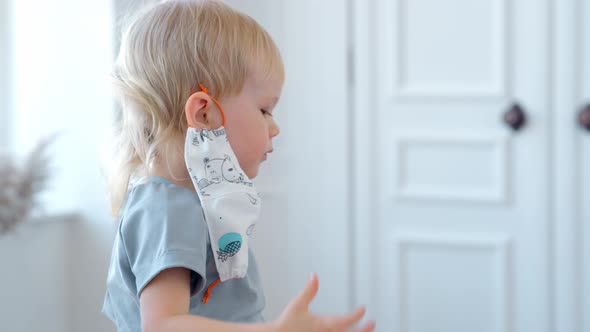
{"x": 318, "y": 150}
{"x": 61, "y": 56}
{"x": 5, "y": 73}
{"x": 88, "y": 254}
{"x": 53, "y": 272}
{"x": 33, "y": 279}
{"x": 306, "y": 184}
{"x": 271, "y": 237}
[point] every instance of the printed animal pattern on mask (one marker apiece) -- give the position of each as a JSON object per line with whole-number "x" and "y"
{"x": 250, "y": 229}
{"x": 253, "y": 199}
{"x": 221, "y": 169}
{"x": 196, "y": 140}
{"x": 229, "y": 246}
{"x": 208, "y": 134}
{"x": 218, "y": 132}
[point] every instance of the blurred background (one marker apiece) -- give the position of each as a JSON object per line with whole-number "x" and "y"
{"x": 433, "y": 164}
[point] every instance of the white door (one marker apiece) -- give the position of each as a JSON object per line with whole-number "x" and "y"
{"x": 455, "y": 237}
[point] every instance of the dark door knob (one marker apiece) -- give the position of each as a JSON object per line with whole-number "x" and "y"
{"x": 584, "y": 117}
{"x": 515, "y": 117}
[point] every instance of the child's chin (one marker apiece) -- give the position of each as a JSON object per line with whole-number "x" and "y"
{"x": 252, "y": 173}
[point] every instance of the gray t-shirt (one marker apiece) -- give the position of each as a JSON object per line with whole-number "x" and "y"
{"x": 162, "y": 226}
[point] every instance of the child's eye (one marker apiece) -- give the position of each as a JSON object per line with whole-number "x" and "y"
{"x": 265, "y": 112}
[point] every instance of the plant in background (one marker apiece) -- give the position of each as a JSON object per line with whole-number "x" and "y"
{"x": 21, "y": 186}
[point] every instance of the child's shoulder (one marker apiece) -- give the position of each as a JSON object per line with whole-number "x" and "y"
{"x": 158, "y": 198}
{"x": 157, "y": 190}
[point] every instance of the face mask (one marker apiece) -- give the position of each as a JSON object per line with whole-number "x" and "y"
{"x": 229, "y": 200}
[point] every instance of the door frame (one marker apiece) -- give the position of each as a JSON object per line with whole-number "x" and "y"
{"x": 363, "y": 117}
{"x": 569, "y": 302}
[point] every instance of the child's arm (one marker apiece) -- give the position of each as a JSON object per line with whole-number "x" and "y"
{"x": 165, "y": 301}
{"x": 164, "y": 306}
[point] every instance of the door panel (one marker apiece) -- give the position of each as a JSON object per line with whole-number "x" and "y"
{"x": 461, "y": 229}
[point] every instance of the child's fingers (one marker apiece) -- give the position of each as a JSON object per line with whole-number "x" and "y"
{"x": 304, "y": 298}
{"x": 353, "y": 317}
{"x": 346, "y": 321}
{"x": 368, "y": 327}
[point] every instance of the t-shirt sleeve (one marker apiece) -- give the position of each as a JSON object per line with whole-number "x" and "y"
{"x": 164, "y": 228}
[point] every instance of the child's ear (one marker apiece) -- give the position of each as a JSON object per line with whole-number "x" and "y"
{"x": 200, "y": 111}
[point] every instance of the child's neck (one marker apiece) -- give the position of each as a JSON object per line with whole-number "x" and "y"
{"x": 176, "y": 175}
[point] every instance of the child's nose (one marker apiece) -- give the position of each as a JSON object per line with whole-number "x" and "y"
{"x": 274, "y": 129}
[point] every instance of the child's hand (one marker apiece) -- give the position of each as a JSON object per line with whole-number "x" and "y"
{"x": 297, "y": 316}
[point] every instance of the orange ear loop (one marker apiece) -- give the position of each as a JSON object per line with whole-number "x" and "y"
{"x": 205, "y": 90}
{"x": 207, "y": 295}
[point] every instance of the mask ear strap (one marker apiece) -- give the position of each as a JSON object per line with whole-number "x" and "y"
{"x": 205, "y": 90}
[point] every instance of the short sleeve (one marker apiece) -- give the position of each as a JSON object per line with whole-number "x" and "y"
{"x": 163, "y": 227}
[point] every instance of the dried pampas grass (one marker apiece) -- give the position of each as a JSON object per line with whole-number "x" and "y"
{"x": 20, "y": 186}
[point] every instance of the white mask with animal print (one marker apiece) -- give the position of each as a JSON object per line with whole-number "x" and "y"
{"x": 230, "y": 202}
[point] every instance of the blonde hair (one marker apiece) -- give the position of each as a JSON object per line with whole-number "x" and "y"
{"x": 166, "y": 51}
